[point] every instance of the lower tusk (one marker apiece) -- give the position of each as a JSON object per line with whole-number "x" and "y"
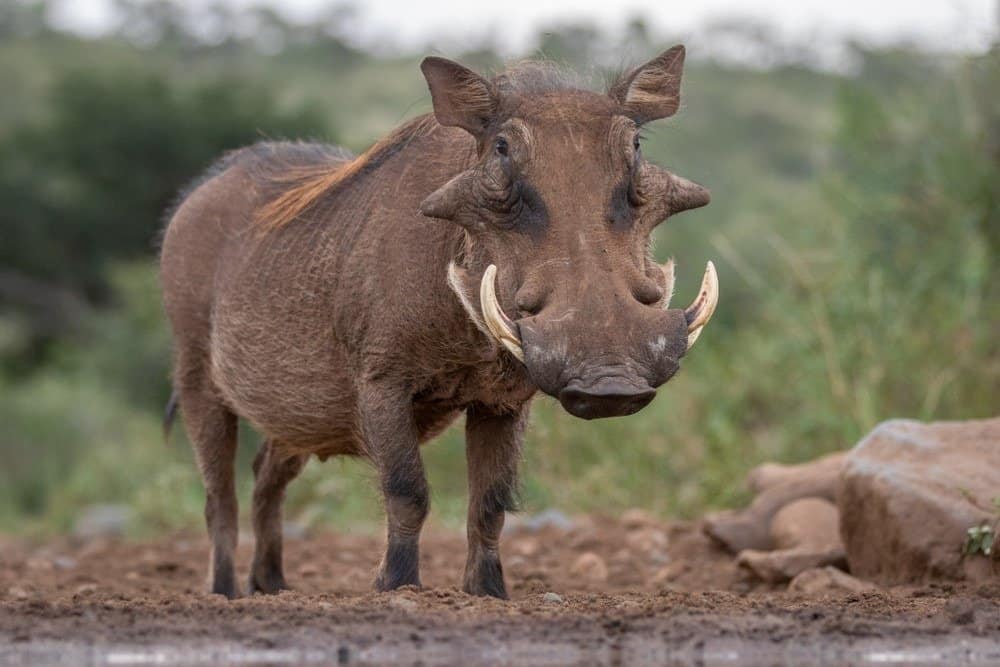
{"x": 693, "y": 336}
{"x": 668, "y": 273}
{"x": 701, "y": 309}
{"x": 496, "y": 321}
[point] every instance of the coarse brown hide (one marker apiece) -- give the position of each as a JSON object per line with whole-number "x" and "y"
{"x": 338, "y": 303}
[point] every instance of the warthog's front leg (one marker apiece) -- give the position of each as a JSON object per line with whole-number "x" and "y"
{"x": 390, "y": 438}
{"x": 493, "y": 450}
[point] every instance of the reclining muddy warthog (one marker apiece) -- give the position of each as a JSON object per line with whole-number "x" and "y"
{"x": 357, "y": 305}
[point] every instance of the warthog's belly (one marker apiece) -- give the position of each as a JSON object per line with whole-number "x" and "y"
{"x": 294, "y": 389}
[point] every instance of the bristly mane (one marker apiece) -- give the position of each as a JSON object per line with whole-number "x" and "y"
{"x": 298, "y": 186}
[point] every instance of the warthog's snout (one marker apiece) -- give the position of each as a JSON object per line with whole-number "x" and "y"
{"x": 607, "y": 397}
{"x": 599, "y": 355}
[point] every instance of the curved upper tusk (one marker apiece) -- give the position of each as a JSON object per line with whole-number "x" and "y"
{"x": 701, "y": 309}
{"x": 496, "y": 321}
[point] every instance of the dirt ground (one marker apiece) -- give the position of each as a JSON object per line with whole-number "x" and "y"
{"x": 666, "y": 595}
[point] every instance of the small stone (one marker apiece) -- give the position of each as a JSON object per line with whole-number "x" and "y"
{"x": 647, "y": 540}
{"x": 64, "y": 562}
{"x": 526, "y": 546}
{"x": 554, "y": 598}
{"x": 18, "y": 593}
{"x": 828, "y": 580}
{"x": 669, "y": 573}
{"x": 403, "y": 603}
{"x": 85, "y": 589}
{"x": 103, "y": 521}
{"x": 39, "y": 563}
{"x": 636, "y": 518}
{"x": 785, "y": 564}
{"x": 550, "y": 518}
{"x": 308, "y": 570}
{"x": 591, "y": 567}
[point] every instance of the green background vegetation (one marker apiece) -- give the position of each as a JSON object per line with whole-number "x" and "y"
{"x": 855, "y": 223}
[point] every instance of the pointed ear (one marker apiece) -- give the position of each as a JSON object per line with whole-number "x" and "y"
{"x": 668, "y": 194}
{"x": 461, "y": 97}
{"x": 653, "y": 90}
{"x": 446, "y": 203}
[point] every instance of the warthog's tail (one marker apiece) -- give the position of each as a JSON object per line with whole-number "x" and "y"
{"x": 169, "y": 414}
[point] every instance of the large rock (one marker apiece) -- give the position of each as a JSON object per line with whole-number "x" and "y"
{"x": 910, "y": 491}
{"x": 805, "y": 534}
{"x": 808, "y": 522}
{"x": 777, "y": 486}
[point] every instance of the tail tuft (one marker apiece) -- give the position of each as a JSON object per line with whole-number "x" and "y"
{"x": 169, "y": 414}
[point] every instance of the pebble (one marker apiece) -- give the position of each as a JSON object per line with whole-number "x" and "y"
{"x": 552, "y": 597}
{"x": 103, "y": 521}
{"x": 400, "y": 602}
{"x": 550, "y": 518}
{"x": 670, "y": 572}
{"x": 64, "y": 562}
{"x": 828, "y": 580}
{"x": 591, "y": 567}
{"x": 86, "y": 589}
{"x": 636, "y": 518}
{"x": 308, "y": 570}
{"x": 647, "y": 540}
{"x": 526, "y": 546}
{"x": 18, "y": 593}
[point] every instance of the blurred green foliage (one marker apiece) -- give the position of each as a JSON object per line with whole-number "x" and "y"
{"x": 855, "y": 223}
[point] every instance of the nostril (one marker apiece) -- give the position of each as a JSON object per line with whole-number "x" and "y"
{"x": 529, "y": 302}
{"x": 647, "y": 293}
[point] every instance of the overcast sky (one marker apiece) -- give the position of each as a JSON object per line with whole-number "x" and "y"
{"x": 948, "y": 24}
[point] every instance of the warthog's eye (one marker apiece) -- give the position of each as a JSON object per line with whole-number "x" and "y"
{"x": 502, "y": 147}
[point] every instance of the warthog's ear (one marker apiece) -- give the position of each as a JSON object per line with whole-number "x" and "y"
{"x": 461, "y": 97}
{"x": 667, "y": 194}
{"x": 446, "y": 202}
{"x": 652, "y": 90}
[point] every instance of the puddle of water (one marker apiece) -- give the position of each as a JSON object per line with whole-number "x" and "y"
{"x": 634, "y": 650}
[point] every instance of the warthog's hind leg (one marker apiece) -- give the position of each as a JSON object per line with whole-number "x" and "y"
{"x": 212, "y": 429}
{"x": 272, "y": 474}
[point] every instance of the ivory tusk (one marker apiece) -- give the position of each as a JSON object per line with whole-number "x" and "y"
{"x": 701, "y": 309}
{"x": 496, "y": 321}
{"x": 668, "y": 272}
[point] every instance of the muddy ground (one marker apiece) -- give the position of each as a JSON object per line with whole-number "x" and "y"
{"x": 666, "y": 595}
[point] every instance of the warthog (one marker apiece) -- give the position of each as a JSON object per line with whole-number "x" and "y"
{"x": 358, "y": 305}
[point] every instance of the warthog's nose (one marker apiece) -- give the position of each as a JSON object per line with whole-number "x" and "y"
{"x": 608, "y": 397}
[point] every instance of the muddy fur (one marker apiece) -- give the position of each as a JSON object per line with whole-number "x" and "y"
{"x": 309, "y": 295}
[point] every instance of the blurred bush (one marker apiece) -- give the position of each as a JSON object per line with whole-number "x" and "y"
{"x": 855, "y": 223}
{"x": 89, "y": 180}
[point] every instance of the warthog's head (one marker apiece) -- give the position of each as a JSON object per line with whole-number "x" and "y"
{"x": 558, "y": 206}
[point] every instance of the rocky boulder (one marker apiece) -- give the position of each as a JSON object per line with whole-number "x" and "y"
{"x": 908, "y": 494}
